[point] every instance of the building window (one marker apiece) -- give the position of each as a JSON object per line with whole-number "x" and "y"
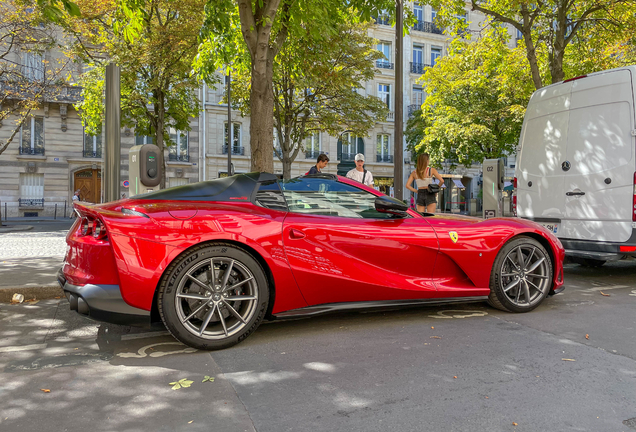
{"x": 32, "y": 136}
{"x": 141, "y": 140}
{"x": 178, "y": 151}
{"x": 312, "y": 146}
{"x": 384, "y": 93}
{"x": 383, "y": 150}
{"x": 385, "y": 48}
{"x": 436, "y": 52}
{"x": 31, "y": 190}
{"x": 92, "y": 145}
{"x": 236, "y": 139}
{"x": 418, "y": 60}
{"x": 418, "y": 96}
{"x": 350, "y": 146}
{"x": 433, "y": 15}
{"x": 33, "y": 65}
{"x": 418, "y": 11}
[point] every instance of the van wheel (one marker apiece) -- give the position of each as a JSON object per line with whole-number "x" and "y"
{"x": 213, "y": 297}
{"x": 521, "y": 276}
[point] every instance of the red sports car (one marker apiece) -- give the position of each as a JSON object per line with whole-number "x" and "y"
{"x": 213, "y": 259}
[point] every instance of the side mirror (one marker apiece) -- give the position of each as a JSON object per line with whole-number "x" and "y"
{"x": 386, "y": 204}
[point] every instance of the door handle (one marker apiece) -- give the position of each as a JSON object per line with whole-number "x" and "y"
{"x": 296, "y": 234}
{"x": 574, "y": 193}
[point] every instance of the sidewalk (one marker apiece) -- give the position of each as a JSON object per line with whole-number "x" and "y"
{"x": 31, "y": 252}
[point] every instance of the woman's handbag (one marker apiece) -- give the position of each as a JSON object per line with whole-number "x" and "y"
{"x": 433, "y": 188}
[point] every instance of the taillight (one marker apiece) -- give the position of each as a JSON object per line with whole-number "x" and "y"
{"x": 634, "y": 201}
{"x": 99, "y": 230}
{"x": 514, "y": 182}
{"x": 86, "y": 226}
{"x": 92, "y": 227}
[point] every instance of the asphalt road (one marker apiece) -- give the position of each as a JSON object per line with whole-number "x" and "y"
{"x": 570, "y": 365}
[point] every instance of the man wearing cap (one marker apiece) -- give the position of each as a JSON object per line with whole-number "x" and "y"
{"x": 359, "y": 173}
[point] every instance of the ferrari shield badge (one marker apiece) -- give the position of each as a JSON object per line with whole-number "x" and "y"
{"x": 453, "y": 236}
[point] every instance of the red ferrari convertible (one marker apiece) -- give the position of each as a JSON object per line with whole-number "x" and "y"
{"x": 213, "y": 259}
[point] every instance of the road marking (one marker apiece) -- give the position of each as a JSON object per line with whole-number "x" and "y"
{"x": 22, "y": 348}
{"x": 457, "y": 313}
{"x": 633, "y": 293}
{"x": 144, "y": 335}
{"x": 141, "y": 353}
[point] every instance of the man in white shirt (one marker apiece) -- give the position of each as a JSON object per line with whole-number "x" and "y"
{"x": 359, "y": 173}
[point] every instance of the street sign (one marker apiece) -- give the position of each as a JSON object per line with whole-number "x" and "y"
{"x": 125, "y": 183}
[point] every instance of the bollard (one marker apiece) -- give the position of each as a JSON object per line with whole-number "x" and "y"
{"x": 5, "y": 211}
{"x": 64, "y": 208}
{"x": 55, "y": 213}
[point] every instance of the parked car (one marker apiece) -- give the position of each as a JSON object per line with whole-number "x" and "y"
{"x": 213, "y": 259}
{"x": 576, "y": 167}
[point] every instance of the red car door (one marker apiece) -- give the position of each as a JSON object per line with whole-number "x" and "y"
{"x": 341, "y": 250}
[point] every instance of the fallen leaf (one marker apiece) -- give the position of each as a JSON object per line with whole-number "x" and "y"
{"x": 190, "y": 421}
{"x": 514, "y": 424}
{"x": 182, "y": 383}
{"x": 455, "y": 377}
{"x": 435, "y": 337}
{"x": 606, "y": 295}
{"x": 46, "y": 390}
{"x": 587, "y": 336}
{"x": 486, "y": 397}
{"x": 208, "y": 378}
{"x": 432, "y": 327}
{"x": 568, "y": 359}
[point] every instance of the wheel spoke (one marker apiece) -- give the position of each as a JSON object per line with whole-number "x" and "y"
{"x": 508, "y": 274}
{"x": 239, "y": 298}
{"x": 511, "y": 285}
{"x": 234, "y": 312}
{"x": 198, "y": 282}
{"x": 526, "y": 291}
{"x": 536, "y": 264}
{"x": 238, "y": 284}
{"x": 518, "y": 293}
{"x": 206, "y": 321}
{"x": 212, "y": 275}
{"x": 193, "y": 297}
{"x": 537, "y": 276}
{"x": 535, "y": 287}
{"x": 193, "y": 313}
{"x": 520, "y": 260}
{"x": 525, "y": 265}
{"x": 513, "y": 263}
{"x": 218, "y": 310}
{"x": 226, "y": 275}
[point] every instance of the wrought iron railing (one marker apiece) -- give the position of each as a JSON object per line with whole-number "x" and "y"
{"x": 412, "y": 108}
{"x": 312, "y": 154}
{"x": 31, "y": 150}
{"x": 384, "y": 158}
{"x": 31, "y": 202}
{"x": 383, "y": 64}
{"x": 347, "y": 156}
{"x": 418, "y": 68}
{"x": 179, "y": 157}
{"x": 383, "y": 20}
{"x": 428, "y": 27}
{"x": 93, "y": 154}
{"x": 235, "y": 150}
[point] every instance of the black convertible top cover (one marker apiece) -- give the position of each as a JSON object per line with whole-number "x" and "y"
{"x": 239, "y": 187}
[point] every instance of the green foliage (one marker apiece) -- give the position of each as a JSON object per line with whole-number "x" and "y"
{"x": 476, "y": 102}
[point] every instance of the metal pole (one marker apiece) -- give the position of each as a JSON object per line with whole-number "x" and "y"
{"x": 229, "y": 125}
{"x": 55, "y": 214}
{"x": 64, "y": 208}
{"x": 398, "y": 167}
{"x": 112, "y": 155}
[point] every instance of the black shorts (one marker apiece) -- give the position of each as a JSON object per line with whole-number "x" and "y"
{"x": 424, "y": 198}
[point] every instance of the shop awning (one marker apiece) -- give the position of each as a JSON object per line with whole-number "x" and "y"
{"x": 437, "y": 182}
{"x": 459, "y": 184}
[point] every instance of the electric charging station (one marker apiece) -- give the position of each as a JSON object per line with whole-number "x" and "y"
{"x": 145, "y": 169}
{"x": 493, "y": 187}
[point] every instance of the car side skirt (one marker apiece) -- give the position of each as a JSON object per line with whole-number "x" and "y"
{"x": 370, "y": 305}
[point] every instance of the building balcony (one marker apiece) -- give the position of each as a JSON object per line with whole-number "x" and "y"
{"x": 236, "y": 150}
{"x": 383, "y": 20}
{"x": 427, "y": 27}
{"x": 347, "y": 157}
{"x": 383, "y": 64}
{"x": 179, "y": 157}
{"x": 390, "y": 116}
{"x": 384, "y": 158}
{"x": 312, "y": 154}
{"x": 412, "y": 108}
{"x": 418, "y": 68}
{"x": 31, "y": 202}
{"x": 32, "y": 150}
{"x": 93, "y": 154}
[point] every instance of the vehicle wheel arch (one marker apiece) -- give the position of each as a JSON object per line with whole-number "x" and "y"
{"x": 544, "y": 242}
{"x": 154, "y": 311}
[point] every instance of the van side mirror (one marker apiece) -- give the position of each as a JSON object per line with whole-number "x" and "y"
{"x": 386, "y": 204}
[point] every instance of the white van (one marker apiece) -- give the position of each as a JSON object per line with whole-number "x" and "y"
{"x": 576, "y": 166}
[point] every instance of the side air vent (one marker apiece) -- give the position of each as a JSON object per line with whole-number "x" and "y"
{"x": 271, "y": 199}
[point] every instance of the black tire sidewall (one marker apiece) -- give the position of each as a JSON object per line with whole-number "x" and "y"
{"x": 496, "y": 286}
{"x": 181, "y": 266}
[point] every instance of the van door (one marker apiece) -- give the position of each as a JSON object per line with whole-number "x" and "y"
{"x": 544, "y": 134}
{"x": 598, "y": 166}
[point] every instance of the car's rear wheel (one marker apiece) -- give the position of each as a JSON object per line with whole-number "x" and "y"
{"x": 521, "y": 275}
{"x": 213, "y": 297}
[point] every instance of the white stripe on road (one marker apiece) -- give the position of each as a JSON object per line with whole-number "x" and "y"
{"x": 22, "y": 348}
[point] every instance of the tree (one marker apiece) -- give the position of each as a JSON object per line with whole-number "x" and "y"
{"x": 27, "y": 79}
{"x": 475, "y": 104}
{"x": 158, "y": 86}
{"x": 315, "y": 88}
{"x": 263, "y": 26}
{"x": 553, "y": 30}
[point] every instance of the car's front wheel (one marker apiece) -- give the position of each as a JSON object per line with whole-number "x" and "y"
{"x": 213, "y": 297}
{"x": 521, "y": 275}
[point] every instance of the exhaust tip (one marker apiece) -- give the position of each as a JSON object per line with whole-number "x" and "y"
{"x": 73, "y": 301}
{"x": 82, "y": 306}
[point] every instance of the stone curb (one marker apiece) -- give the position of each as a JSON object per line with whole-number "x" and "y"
{"x": 14, "y": 228}
{"x": 35, "y": 292}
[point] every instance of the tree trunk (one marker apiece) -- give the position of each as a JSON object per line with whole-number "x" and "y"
{"x": 262, "y": 110}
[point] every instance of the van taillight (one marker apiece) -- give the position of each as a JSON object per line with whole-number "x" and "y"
{"x": 514, "y": 183}
{"x": 634, "y": 201}
{"x": 514, "y": 197}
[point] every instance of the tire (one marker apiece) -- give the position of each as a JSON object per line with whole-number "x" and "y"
{"x": 211, "y": 311}
{"x": 521, "y": 276}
